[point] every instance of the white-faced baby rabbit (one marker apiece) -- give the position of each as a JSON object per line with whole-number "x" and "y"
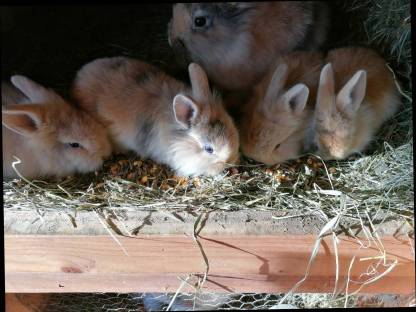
{"x": 48, "y": 135}
{"x": 159, "y": 117}
{"x": 276, "y": 118}
{"x": 357, "y": 93}
{"x": 238, "y": 42}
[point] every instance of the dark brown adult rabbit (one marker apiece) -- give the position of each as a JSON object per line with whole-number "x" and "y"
{"x": 237, "y": 42}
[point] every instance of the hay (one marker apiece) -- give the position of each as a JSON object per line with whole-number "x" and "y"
{"x": 377, "y": 182}
{"x": 385, "y": 26}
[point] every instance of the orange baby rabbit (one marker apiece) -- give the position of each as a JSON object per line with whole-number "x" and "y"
{"x": 275, "y": 120}
{"x": 357, "y": 93}
{"x": 158, "y": 117}
{"x": 48, "y": 135}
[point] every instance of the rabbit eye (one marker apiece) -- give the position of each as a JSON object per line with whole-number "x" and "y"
{"x": 208, "y": 149}
{"x": 74, "y": 145}
{"x": 276, "y": 147}
{"x": 200, "y": 21}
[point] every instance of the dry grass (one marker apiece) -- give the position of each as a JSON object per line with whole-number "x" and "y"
{"x": 375, "y": 183}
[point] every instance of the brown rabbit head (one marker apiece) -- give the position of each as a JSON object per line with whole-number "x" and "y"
{"x": 69, "y": 139}
{"x": 236, "y": 42}
{"x": 207, "y": 140}
{"x": 271, "y": 132}
{"x": 335, "y": 114}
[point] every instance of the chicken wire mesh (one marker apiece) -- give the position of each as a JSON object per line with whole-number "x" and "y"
{"x": 110, "y": 302}
{"x": 137, "y": 302}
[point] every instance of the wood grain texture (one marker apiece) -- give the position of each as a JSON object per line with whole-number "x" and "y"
{"x": 241, "y": 222}
{"x": 46, "y": 263}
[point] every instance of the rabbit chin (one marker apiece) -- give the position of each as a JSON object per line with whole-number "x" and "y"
{"x": 195, "y": 165}
{"x": 80, "y": 165}
{"x": 336, "y": 153}
{"x": 191, "y": 160}
{"x": 285, "y": 153}
{"x": 190, "y": 168}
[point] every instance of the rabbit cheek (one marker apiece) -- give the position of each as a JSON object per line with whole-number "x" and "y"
{"x": 216, "y": 169}
{"x": 99, "y": 149}
{"x": 186, "y": 157}
{"x": 234, "y": 159}
{"x": 288, "y": 148}
{"x": 83, "y": 160}
{"x": 103, "y": 151}
{"x": 248, "y": 148}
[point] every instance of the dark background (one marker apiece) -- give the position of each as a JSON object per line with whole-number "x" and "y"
{"x": 49, "y": 43}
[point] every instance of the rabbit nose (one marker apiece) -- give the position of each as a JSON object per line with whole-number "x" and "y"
{"x": 310, "y": 147}
{"x": 313, "y": 148}
{"x": 179, "y": 46}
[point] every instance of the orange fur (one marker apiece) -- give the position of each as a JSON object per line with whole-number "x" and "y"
{"x": 380, "y": 83}
{"x": 338, "y": 135}
{"x": 261, "y": 132}
{"x": 137, "y": 101}
{"x": 43, "y": 148}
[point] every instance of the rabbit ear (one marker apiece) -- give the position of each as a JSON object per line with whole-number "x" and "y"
{"x": 199, "y": 82}
{"x": 352, "y": 94}
{"x": 276, "y": 83}
{"x": 185, "y": 110}
{"x": 326, "y": 93}
{"x": 24, "y": 119}
{"x": 34, "y": 91}
{"x": 295, "y": 98}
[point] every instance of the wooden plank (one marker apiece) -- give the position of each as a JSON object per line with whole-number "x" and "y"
{"x": 243, "y": 222}
{"x": 59, "y": 221}
{"x": 46, "y": 263}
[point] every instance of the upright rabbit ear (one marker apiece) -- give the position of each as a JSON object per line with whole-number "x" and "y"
{"x": 199, "y": 82}
{"x": 34, "y": 91}
{"x": 276, "y": 84}
{"x": 295, "y": 98}
{"x": 185, "y": 110}
{"x": 24, "y": 119}
{"x": 325, "y": 101}
{"x": 352, "y": 94}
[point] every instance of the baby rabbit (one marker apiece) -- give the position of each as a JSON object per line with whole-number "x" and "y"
{"x": 277, "y": 117}
{"x": 158, "y": 117}
{"x": 356, "y": 95}
{"x": 238, "y": 42}
{"x": 48, "y": 135}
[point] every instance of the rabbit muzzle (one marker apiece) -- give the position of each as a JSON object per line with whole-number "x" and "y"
{"x": 181, "y": 52}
